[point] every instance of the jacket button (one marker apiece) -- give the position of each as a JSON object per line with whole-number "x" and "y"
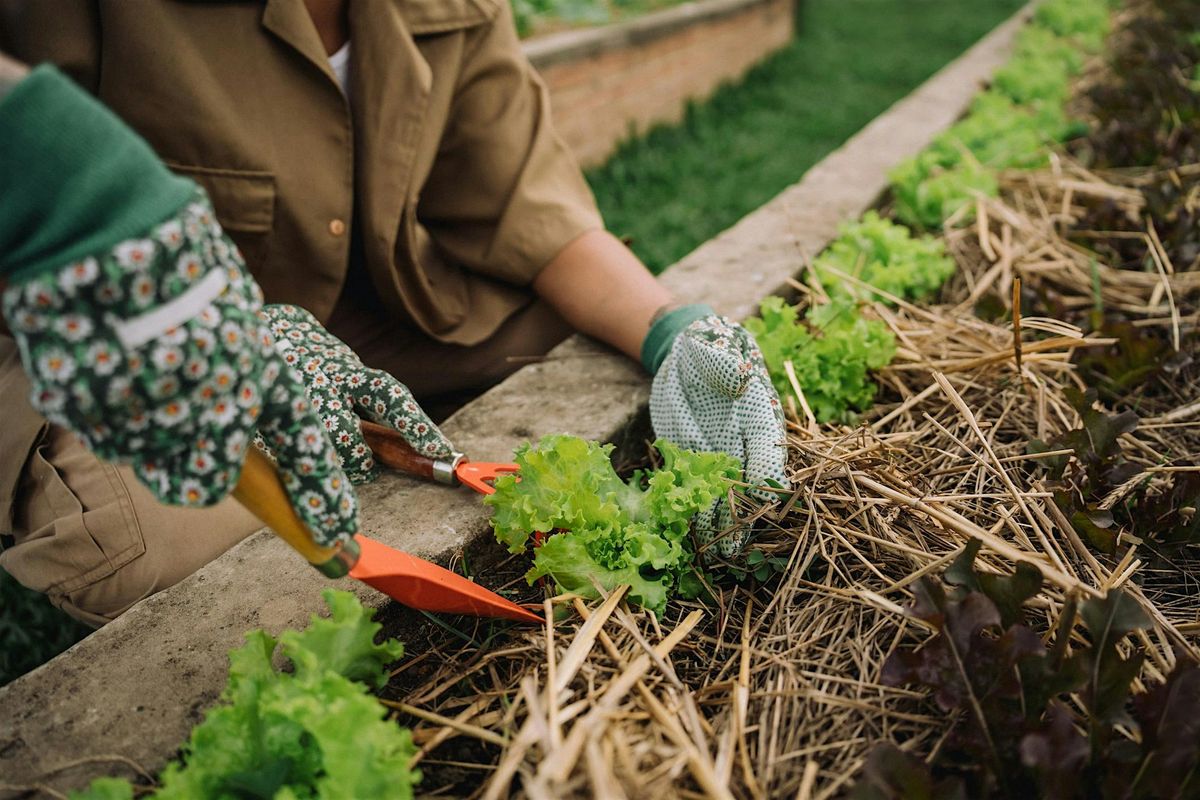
{"x": 337, "y": 227}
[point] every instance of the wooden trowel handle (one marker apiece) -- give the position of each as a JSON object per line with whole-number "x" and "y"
{"x": 261, "y": 491}
{"x": 393, "y": 451}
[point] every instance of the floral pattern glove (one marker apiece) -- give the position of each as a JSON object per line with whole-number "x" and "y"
{"x": 155, "y": 355}
{"x": 341, "y": 388}
{"x": 712, "y": 392}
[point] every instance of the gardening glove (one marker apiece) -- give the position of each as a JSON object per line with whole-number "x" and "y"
{"x": 711, "y": 392}
{"x": 147, "y": 343}
{"x": 341, "y": 389}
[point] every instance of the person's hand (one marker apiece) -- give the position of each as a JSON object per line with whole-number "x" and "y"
{"x": 153, "y": 352}
{"x": 341, "y": 389}
{"x": 134, "y": 315}
{"x": 712, "y": 392}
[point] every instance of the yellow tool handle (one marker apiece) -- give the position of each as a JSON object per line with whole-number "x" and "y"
{"x": 260, "y": 490}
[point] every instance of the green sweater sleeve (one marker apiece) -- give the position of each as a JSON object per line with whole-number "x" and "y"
{"x": 663, "y": 333}
{"x": 74, "y": 179}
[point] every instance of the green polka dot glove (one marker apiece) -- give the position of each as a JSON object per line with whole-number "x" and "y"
{"x": 153, "y": 352}
{"x": 341, "y": 388}
{"x": 712, "y": 392}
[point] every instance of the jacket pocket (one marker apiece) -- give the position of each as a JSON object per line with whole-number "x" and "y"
{"x": 245, "y": 204}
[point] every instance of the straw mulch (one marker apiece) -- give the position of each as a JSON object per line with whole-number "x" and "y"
{"x": 773, "y": 692}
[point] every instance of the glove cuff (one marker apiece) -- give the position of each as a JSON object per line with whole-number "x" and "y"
{"x": 663, "y": 332}
{"x": 76, "y": 180}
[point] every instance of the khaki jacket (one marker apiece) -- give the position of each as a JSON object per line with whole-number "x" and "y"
{"x": 446, "y": 161}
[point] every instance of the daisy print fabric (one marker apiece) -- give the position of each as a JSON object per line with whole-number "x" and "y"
{"x": 154, "y": 354}
{"x": 341, "y": 389}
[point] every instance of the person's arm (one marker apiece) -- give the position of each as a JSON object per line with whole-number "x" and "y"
{"x": 134, "y": 316}
{"x": 74, "y": 180}
{"x": 603, "y": 290}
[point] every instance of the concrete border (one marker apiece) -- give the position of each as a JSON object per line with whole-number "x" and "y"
{"x": 575, "y": 45}
{"x": 136, "y": 687}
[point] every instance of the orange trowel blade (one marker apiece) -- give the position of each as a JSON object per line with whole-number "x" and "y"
{"x": 419, "y": 584}
{"x": 480, "y": 475}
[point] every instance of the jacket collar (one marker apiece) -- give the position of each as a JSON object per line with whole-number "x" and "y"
{"x": 427, "y": 16}
{"x": 288, "y": 20}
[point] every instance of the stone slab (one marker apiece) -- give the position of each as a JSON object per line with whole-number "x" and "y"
{"x": 582, "y": 43}
{"x": 137, "y": 686}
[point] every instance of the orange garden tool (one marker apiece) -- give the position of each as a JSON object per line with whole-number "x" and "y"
{"x": 393, "y": 451}
{"x": 407, "y": 579}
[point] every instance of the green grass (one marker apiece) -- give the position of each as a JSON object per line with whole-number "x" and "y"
{"x": 31, "y": 630}
{"x": 680, "y": 185}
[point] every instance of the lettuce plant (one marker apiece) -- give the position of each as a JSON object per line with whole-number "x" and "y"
{"x": 314, "y": 732}
{"x": 1008, "y": 126}
{"x": 831, "y": 351}
{"x": 927, "y": 193}
{"x": 612, "y": 532}
{"x": 1034, "y": 714}
{"x": 886, "y": 256}
{"x": 1084, "y": 21}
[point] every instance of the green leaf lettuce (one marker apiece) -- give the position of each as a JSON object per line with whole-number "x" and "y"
{"x": 612, "y": 532}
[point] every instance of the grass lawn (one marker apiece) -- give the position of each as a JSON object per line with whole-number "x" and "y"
{"x": 680, "y": 185}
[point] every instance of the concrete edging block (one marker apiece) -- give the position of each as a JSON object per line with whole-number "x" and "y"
{"x": 574, "y": 45}
{"x": 136, "y": 687}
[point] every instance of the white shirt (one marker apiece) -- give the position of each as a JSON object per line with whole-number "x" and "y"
{"x": 340, "y": 63}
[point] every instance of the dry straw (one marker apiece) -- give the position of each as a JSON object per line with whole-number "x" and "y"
{"x": 773, "y": 691}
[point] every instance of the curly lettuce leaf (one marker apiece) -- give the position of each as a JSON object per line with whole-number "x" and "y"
{"x": 312, "y": 733}
{"x": 928, "y": 192}
{"x": 565, "y": 482}
{"x": 581, "y": 560}
{"x": 613, "y": 532}
{"x": 343, "y": 643}
{"x": 1085, "y": 22}
{"x": 886, "y": 256}
{"x": 688, "y": 482}
{"x": 832, "y": 362}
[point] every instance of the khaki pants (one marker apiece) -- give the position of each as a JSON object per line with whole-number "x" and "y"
{"x": 91, "y": 537}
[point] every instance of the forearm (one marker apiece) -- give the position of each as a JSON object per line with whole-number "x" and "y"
{"x": 603, "y": 290}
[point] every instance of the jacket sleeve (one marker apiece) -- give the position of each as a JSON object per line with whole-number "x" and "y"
{"x": 74, "y": 179}
{"x": 505, "y": 194}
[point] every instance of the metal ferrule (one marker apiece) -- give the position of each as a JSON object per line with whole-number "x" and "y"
{"x": 342, "y": 561}
{"x": 443, "y": 471}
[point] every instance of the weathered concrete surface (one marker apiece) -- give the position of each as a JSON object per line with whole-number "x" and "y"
{"x": 574, "y": 45}
{"x": 137, "y": 686}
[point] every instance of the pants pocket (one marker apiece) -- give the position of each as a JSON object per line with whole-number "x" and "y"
{"x": 74, "y": 522}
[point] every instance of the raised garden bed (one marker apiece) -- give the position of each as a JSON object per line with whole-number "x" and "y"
{"x": 981, "y": 588}
{"x": 134, "y": 689}
{"x": 609, "y": 82}
{"x": 984, "y": 585}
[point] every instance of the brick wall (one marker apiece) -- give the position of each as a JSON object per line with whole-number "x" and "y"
{"x": 606, "y": 82}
